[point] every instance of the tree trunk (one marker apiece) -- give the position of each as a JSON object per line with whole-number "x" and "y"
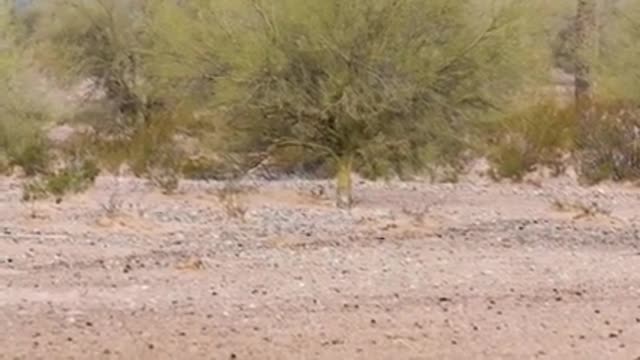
{"x": 344, "y": 183}
{"x": 585, "y": 47}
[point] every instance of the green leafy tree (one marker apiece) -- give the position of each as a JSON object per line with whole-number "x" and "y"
{"x": 110, "y": 45}
{"x": 101, "y": 41}
{"x": 381, "y": 86}
{"x": 22, "y": 114}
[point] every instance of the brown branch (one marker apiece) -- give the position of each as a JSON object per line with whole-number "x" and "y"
{"x": 303, "y": 144}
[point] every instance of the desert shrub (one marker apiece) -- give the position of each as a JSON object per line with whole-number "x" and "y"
{"x": 77, "y": 176}
{"x": 610, "y": 149}
{"x": 301, "y": 162}
{"x": 231, "y": 198}
{"x": 199, "y": 168}
{"x": 208, "y": 168}
{"x": 23, "y": 143}
{"x": 34, "y": 189}
{"x": 22, "y": 119}
{"x": 150, "y": 151}
{"x": 540, "y": 135}
{"x": 162, "y": 169}
{"x": 5, "y": 164}
{"x": 32, "y": 156}
{"x": 583, "y": 209}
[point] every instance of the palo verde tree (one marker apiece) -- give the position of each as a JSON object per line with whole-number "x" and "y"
{"x": 100, "y": 41}
{"x": 610, "y": 126}
{"x": 380, "y": 85}
{"x": 23, "y": 112}
{"x": 108, "y": 45}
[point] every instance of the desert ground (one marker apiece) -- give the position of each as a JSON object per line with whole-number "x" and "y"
{"x": 473, "y": 270}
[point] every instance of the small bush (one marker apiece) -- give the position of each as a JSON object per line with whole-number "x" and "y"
{"x": 581, "y": 209}
{"x": 165, "y": 178}
{"x": 5, "y": 163}
{"x": 230, "y": 197}
{"x": 32, "y": 156}
{"x": 149, "y": 150}
{"x": 22, "y": 139}
{"x": 537, "y": 136}
{"x": 610, "y": 148}
{"x": 113, "y": 207}
{"x": 162, "y": 167}
{"x": 34, "y": 190}
{"x": 75, "y": 178}
{"x": 206, "y": 168}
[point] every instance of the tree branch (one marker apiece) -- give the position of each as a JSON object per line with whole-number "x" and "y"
{"x": 303, "y": 144}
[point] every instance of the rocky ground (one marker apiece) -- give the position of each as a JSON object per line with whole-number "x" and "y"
{"x": 473, "y": 270}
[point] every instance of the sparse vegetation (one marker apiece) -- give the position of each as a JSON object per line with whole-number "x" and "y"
{"x": 231, "y": 199}
{"x": 29, "y": 153}
{"x": 73, "y": 178}
{"x": 417, "y": 215}
{"x": 580, "y": 209}
{"x": 113, "y": 206}
{"x": 503, "y": 105}
{"x": 611, "y": 149}
{"x": 539, "y": 135}
{"x": 329, "y": 89}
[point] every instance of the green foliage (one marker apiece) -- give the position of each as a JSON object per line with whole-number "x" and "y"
{"x": 101, "y": 41}
{"x": 73, "y": 179}
{"x": 23, "y": 143}
{"x": 149, "y": 151}
{"x": 34, "y": 190}
{"x": 22, "y": 114}
{"x": 5, "y": 164}
{"x": 618, "y": 63}
{"x": 32, "y": 156}
{"x": 385, "y": 84}
{"x": 144, "y": 147}
{"x": 183, "y": 51}
{"x": 76, "y": 177}
{"x": 207, "y": 168}
{"x": 380, "y": 88}
{"x": 611, "y": 149}
{"x": 538, "y": 135}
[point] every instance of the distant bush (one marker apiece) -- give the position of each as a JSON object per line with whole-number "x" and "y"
{"x": 76, "y": 177}
{"x": 33, "y": 157}
{"x": 231, "y": 199}
{"x": 23, "y": 143}
{"x": 610, "y": 149}
{"x": 163, "y": 168}
{"x": 540, "y": 135}
{"x": 5, "y": 164}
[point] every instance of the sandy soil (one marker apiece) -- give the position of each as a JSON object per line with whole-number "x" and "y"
{"x": 416, "y": 271}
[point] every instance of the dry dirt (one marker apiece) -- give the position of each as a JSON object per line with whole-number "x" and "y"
{"x": 416, "y": 271}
